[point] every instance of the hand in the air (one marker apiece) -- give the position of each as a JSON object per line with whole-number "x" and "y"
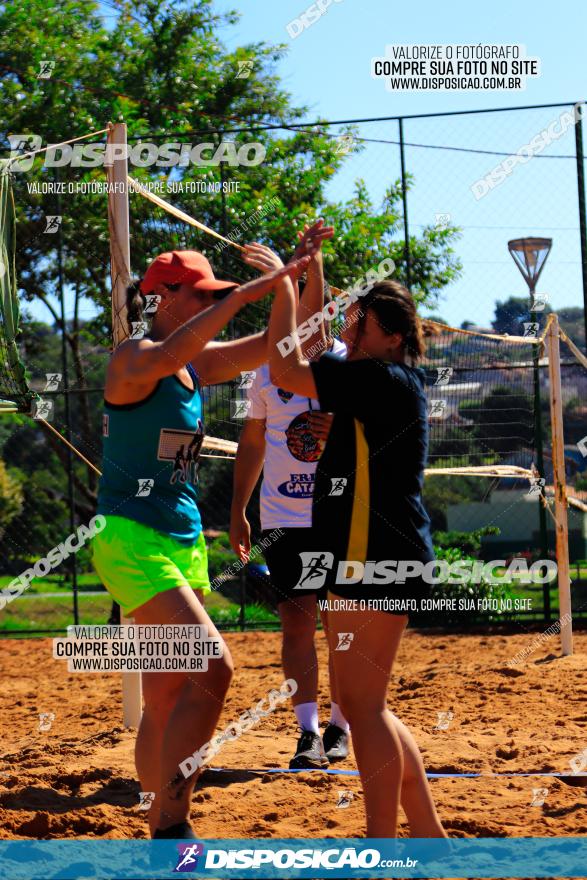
{"x": 310, "y": 240}
{"x": 262, "y": 257}
{"x": 264, "y": 284}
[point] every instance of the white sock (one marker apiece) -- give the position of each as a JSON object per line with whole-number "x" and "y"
{"x": 307, "y": 715}
{"x": 336, "y": 717}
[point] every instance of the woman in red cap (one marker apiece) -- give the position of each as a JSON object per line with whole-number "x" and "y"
{"x": 151, "y": 554}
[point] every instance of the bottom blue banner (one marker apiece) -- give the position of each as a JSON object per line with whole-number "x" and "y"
{"x": 361, "y": 858}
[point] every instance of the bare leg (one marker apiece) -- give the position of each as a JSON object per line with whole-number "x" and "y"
{"x": 298, "y": 652}
{"x": 160, "y": 693}
{"x": 181, "y": 711}
{"x": 331, "y": 669}
{"x": 416, "y": 797}
{"x": 362, "y": 676}
{"x": 332, "y": 672}
{"x": 377, "y": 722}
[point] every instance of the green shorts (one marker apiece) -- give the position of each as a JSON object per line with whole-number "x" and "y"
{"x": 136, "y": 562}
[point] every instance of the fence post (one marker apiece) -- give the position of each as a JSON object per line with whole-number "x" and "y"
{"x": 407, "y": 255}
{"x": 560, "y": 487}
{"x": 581, "y": 192}
{"x": 119, "y": 228}
{"x": 542, "y": 523}
{"x": 66, "y": 403}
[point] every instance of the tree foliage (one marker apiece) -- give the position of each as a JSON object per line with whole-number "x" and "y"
{"x": 165, "y": 71}
{"x": 504, "y": 420}
{"x": 11, "y": 497}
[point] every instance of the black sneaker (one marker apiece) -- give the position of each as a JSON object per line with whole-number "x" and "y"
{"x": 336, "y": 743}
{"x": 309, "y": 753}
{"x": 181, "y": 831}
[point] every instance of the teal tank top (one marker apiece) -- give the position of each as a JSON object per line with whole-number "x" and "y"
{"x": 150, "y": 459}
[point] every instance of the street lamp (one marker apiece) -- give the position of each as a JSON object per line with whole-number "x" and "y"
{"x": 530, "y": 255}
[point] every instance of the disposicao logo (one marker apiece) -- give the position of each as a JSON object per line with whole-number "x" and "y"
{"x": 188, "y": 856}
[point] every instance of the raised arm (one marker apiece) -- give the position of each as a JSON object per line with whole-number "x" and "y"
{"x": 222, "y": 361}
{"x": 290, "y": 370}
{"x": 147, "y": 361}
{"x": 312, "y": 302}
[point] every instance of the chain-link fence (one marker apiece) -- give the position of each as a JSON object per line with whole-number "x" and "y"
{"x": 440, "y": 194}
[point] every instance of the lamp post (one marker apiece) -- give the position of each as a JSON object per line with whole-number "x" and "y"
{"x": 530, "y": 255}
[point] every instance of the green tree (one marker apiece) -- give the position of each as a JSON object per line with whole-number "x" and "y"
{"x": 165, "y": 71}
{"x": 11, "y": 497}
{"x": 504, "y": 420}
{"x": 510, "y": 314}
{"x": 440, "y": 492}
{"x": 572, "y": 320}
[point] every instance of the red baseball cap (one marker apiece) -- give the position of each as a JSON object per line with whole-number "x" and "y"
{"x": 183, "y": 267}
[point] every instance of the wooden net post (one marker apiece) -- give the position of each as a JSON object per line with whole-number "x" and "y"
{"x": 119, "y": 228}
{"x": 560, "y": 486}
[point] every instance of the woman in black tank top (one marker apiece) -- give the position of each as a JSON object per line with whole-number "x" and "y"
{"x": 382, "y": 331}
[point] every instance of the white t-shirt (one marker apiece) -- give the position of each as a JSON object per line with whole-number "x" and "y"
{"x": 291, "y": 453}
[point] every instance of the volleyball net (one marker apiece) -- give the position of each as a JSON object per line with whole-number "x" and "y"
{"x": 15, "y": 394}
{"x": 483, "y": 406}
{"x": 480, "y": 386}
{"x": 483, "y": 389}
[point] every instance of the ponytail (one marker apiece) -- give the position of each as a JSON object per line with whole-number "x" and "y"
{"x": 135, "y": 303}
{"x": 414, "y": 339}
{"x": 395, "y": 311}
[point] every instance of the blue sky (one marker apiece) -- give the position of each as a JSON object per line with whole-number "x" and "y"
{"x": 327, "y": 69}
{"x": 328, "y": 65}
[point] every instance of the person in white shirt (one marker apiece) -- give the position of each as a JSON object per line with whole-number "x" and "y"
{"x": 283, "y": 436}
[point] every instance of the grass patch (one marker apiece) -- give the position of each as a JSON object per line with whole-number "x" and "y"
{"x": 40, "y": 612}
{"x": 55, "y": 583}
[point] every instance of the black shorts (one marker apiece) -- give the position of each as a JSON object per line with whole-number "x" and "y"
{"x": 404, "y": 600}
{"x": 374, "y": 594}
{"x": 285, "y": 564}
